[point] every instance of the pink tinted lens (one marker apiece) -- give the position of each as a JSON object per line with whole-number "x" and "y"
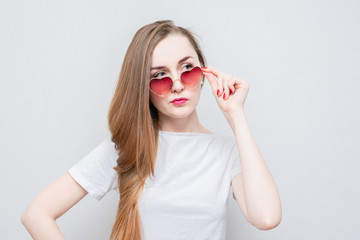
{"x": 192, "y": 78}
{"x": 161, "y": 86}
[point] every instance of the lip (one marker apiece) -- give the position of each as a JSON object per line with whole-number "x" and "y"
{"x": 179, "y": 100}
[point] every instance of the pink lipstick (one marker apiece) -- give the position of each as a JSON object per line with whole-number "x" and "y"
{"x": 179, "y": 101}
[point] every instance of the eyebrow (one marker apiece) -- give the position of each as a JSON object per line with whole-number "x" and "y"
{"x": 180, "y": 61}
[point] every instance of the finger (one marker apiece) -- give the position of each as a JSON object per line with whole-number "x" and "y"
{"x": 220, "y": 83}
{"x": 240, "y": 83}
{"x": 232, "y": 85}
{"x": 212, "y": 81}
{"x": 218, "y": 74}
{"x": 226, "y": 79}
{"x": 213, "y": 70}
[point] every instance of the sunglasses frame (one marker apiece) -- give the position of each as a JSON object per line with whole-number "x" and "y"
{"x": 172, "y": 82}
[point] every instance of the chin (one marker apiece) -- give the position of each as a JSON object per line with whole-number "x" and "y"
{"x": 182, "y": 112}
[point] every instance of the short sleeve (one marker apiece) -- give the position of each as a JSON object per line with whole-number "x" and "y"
{"x": 95, "y": 172}
{"x": 236, "y": 167}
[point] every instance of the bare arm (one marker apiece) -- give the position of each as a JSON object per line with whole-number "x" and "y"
{"x": 55, "y": 200}
{"x": 254, "y": 188}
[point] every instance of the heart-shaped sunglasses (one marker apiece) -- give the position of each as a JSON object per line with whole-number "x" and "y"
{"x": 162, "y": 86}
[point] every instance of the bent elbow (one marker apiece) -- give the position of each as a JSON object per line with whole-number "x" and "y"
{"x": 25, "y": 218}
{"x": 269, "y": 224}
{"x": 29, "y": 216}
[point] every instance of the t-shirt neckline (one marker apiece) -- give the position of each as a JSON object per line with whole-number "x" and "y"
{"x": 185, "y": 133}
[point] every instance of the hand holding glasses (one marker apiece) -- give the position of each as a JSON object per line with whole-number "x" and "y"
{"x": 162, "y": 86}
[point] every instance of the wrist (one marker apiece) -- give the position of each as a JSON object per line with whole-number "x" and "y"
{"x": 235, "y": 118}
{"x": 240, "y": 113}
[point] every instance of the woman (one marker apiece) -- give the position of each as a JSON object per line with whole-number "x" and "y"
{"x": 172, "y": 174}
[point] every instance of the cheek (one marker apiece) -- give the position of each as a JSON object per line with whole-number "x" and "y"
{"x": 156, "y": 100}
{"x": 195, "y": 92}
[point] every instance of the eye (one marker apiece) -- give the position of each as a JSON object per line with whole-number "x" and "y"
{"x": 157, "y": 74}
{"x": 188, "y": 66}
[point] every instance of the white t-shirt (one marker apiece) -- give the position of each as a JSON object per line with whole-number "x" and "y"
{"x": 188, "y": 195}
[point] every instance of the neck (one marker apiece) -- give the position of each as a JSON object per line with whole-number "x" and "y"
{"x": 189, "y": 123}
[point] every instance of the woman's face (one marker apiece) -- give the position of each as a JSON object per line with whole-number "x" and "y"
{"x": 170, "y": 53}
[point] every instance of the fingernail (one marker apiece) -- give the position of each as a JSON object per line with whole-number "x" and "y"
{"x": 224, "y": 96}
{"x": 204, "y": 67}
{"x": 230, "y": 91}
{"x": 218, "y": 92}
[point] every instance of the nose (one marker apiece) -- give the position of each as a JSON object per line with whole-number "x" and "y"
{"x": 177, "y": 85}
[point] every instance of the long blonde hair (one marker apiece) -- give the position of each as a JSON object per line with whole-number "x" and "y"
{"x": 134, "y": 124}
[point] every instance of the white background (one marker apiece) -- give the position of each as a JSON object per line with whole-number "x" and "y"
{"x": 59, "y": 64}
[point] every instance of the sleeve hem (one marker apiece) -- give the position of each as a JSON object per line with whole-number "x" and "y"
{"x": 84, "y": 183}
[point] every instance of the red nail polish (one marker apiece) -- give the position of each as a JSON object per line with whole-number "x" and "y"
{"x": 231, "y": 91}
{"x": 204, "y": 67}
{"x": 218, "y": 92}
{"x": 224, "y": 96}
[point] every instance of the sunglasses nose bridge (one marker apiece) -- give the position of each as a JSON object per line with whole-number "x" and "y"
{"x": 177, "y": 83}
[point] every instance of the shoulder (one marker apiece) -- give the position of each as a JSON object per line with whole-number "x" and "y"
{"x": 226, "y": 140}
{"x": 222, "y": 143}
{"x": 102, "y": 155}
{"x": 108, "y": 146}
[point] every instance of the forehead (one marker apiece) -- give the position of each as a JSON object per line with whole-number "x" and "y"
{"x": 171, "y": 49}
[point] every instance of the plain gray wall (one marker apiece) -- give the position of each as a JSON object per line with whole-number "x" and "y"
{"x": 59, "y": 63}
